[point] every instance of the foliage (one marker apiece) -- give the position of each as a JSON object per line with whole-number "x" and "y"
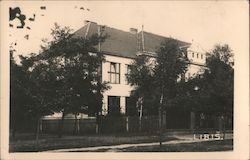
{"x": 141, "y": 76}
{"x": 171, "y": 64}
{"x": 218, "y": 81}
{"x": 215, "y": 87}
{"x": 63, "y": 77}
{"x": 75, "y": 66}
{"x": 18, "y": 96}
{"x": 154, "y": 76}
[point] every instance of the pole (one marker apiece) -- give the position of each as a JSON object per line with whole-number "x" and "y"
{"x": 37, "y": 133}
{"x": 160, "y": 120}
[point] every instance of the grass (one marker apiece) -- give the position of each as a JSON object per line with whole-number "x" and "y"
{"x": 206, "y": 146}
{"x": 27, "y": 143}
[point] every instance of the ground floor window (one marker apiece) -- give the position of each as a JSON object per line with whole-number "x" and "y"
{"x": 131, "y": 109}
{"x": 113, "y": 105}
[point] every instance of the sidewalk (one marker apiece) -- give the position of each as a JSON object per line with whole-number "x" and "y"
{"x": 185, "y": 138}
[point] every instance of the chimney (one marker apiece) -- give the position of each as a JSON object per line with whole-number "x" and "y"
{"x": 87, "y": 21}
{"x": 133, "y": 30}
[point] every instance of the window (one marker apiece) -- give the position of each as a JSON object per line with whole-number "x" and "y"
{"x": 131, "y": 109}
{"x": 197, "y": 55}
{"x": 128, "y": 71}
{"x": 114, "y": 73}
{"x": 113, "y": 105}
{"x": 193, "y": 54}
{"x": 202, "y": 56}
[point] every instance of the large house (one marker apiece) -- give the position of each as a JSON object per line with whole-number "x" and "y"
{"x": 119, "y": 49}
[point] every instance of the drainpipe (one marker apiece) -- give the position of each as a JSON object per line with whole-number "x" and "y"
{"x": 99, "y": 35}
{"x": 142, "y": 36}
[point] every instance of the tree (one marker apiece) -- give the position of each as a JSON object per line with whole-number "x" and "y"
{"x": 142, "y": 78}
{"x": 156, "y": 78}
{"x": 18, "y": 95}
{"x": 219, "y": 82}
{"x": 75, "y": 64}
{"x": 215, "y": 87}
{"x": 171, "y": 64}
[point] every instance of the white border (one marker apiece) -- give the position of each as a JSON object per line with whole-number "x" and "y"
{"x": 241, "y": 115}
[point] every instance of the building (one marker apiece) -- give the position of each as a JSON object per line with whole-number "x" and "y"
{"x": 119, "y": 49}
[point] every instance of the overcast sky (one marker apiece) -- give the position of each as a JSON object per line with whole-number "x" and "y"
{"x": 203, "y": 22}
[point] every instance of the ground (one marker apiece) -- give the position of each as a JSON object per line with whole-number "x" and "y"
{"x": 127, "y": 142}
{"x": 206, "y": 146}
{"x": 26, "y": 142}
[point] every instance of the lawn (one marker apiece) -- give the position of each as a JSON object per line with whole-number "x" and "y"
{"x": 205, "y": 146}
{"x": 27, "y": 143}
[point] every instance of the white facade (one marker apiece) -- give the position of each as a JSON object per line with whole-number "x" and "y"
{"x": 121, "y": 89}
{"x": 197, "y": 58}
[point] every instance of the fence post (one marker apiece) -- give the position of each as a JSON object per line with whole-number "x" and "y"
{"x": 192, "y": 120}
{"x": 41, "y": 125}
{"x": 78, "y": 126}
{"x": 127, "y": 125}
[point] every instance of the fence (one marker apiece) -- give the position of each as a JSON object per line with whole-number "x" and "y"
{"x": 107, "y": 124}
{"x": 120, "y": 124}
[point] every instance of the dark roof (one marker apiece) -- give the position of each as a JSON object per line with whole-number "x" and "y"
{"x": 152, "y": 42}
{"x": 122, "y": 43}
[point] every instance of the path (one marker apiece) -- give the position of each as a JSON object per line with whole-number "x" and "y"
{"x": 181, "y": 139}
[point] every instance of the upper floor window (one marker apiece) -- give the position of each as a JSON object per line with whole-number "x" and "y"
{"x": 193, "y": 54}
{"x": 128, "y": 71}
{"x": 202, "y": 56}
{"x": 197, "y": 55}
{"x": 114, "y": 73}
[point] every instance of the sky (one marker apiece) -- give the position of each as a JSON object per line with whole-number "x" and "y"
{"x": 205, "y": 23}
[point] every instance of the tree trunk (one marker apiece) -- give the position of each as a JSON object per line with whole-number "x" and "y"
{"x": 97, "y": 123}
{"x": 140, "y": 100}
{"x": 160, "y": 126}
{"x": 75, "y": 132}
{"x": 160, "y": 120}
{"x": 61, "y": 124}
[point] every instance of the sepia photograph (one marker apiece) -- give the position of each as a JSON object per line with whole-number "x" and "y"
{"x": 128, "y": 79}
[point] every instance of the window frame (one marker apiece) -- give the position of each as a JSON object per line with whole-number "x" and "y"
{"x": 116, "y": 73}
{"x": 127, "y": 72}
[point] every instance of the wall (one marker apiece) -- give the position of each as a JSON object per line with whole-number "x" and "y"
{"x": 197, "y": 63}
{"x": 123, "y": 89}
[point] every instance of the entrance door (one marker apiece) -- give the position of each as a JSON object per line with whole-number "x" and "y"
{"x": 113, "y": 105}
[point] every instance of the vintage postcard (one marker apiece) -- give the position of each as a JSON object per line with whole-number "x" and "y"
{"x": 125, "y": 79}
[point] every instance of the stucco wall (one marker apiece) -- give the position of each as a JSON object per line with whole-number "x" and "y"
{"x": 122, "y": 89}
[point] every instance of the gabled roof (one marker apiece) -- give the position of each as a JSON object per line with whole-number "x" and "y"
{"x": 122, "y": 43}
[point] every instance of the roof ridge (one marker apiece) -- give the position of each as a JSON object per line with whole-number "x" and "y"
{"x": 117, "y": 29}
